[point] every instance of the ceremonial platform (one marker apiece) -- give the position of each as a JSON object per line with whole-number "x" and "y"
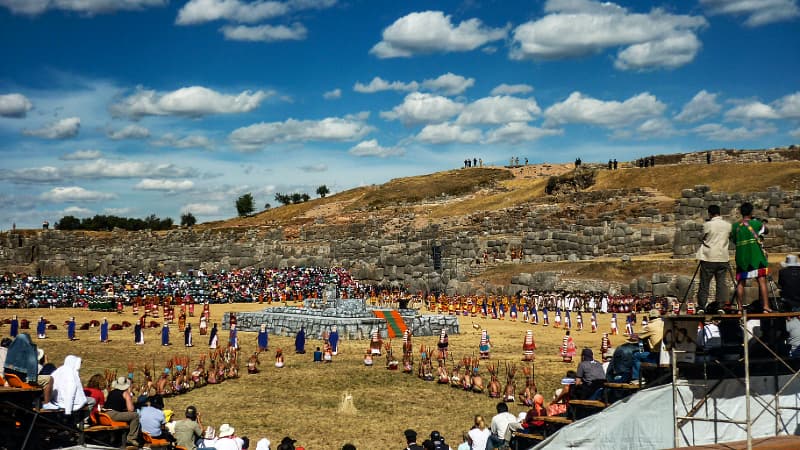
{"x": 353, "y": 318}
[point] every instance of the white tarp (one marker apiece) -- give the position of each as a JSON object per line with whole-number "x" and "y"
{"x": 645, "y": 420}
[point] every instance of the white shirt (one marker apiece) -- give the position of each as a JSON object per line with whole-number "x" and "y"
{"x": 479, "y": 438}
{"x": 716, "y": 236}
{"x": 228, "y": 443}
{"x": 501, "y": 422}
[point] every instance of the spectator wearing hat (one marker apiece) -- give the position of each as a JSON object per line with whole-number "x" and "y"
{"x": 226, "y": 439}
{"x": 210, "y": 438}
{"x": 438, "y": 441}
{"x": 620, "y": 369}
{"x": 653, "y": 333}
{"x": 411, "y": 440}
{"x": 264, "y": 443}
{"x": 119, "y": 406}
{"x": 789, "y": 282}
{"x": 189, "y": 430}
{"x": 287, "y": 443}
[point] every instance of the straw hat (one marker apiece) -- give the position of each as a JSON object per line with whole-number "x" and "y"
{"x": 121, "y": 383}
{"x": 225, "y": 430}
{"x": 791, "y": 261}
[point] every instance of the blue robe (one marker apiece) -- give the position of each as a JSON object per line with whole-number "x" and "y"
{"x": 263, "y": 339}
{"x": 14, "y": 328}
{"x": 333, "y": 339}
{"x": 41, "y": 328}
{"x": 165, "y": 335}
{"x": 71, "y": 330}
{"x": 187, "y": 335}
{"x": 104, "y": 331}
{"x": 233, "y": 338}
{"x": 212, "y": 338}
{"x": 300, "y": 341}
{"x": 138, "y": 337}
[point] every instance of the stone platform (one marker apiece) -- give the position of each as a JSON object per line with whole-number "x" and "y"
{"x": 354, "y": 319}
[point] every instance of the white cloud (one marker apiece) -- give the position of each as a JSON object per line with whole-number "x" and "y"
{"x": 758, "y": 12}
{"x": 420, "y": 107}
{"x": 76, "y": 211}
{"x": 717, "y": 132}
{"x": 372, "y": 148}
{"x": 447, "y": 133}
{"x": 82, "y": 155}
{"x": 378, "y": 84}
{"x": 171, "y": 140}
{"x": 499, "y": 110}
{"x": 578, "y": 108}
{"x": 193, "y": 101}
{"x": 795, "y": 133}
{"x": 314, "y": 168}
{"x": 752, "y": 111}
{"x": 670, "y": 52}
{"x": 14, "y": 105}
{"x": 120, "y": 212}
{"x": 160, "y": 184}
{"x": 129, "y": 132}
{"x": 517, "y": 132}
{"x": 579, "y": 27}
{"x": 265, "y": 33}
{"x": 44, "y": 174}
{"x": 201, "y": 209}
{"x": 102, "y": 168}
{"x": 332, "y": 95}
{"x": 259, "y": 135}
{"x": 62, "y": 129}
{"x": 433, "y": 31}
{"x": 511, "y": 89}
{"x": 201, "y": 11}
{"x": 90, "y": 7}
{"x": 74, "y": 194}
{"x": 449, "y": 84}
{"x": 702, "y": 106}
{"x": 789, "y": 106}
{"x": 656, "y": 127}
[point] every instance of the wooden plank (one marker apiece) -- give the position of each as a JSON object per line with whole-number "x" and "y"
{"x": 98, "y": 428}
{"x": 622, "y": 385}
{"x": 554, "y": 419}
{"x": 537, "y": 437}
{"x": 588, "y": 403}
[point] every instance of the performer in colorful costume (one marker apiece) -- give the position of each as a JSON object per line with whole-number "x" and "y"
{"x": 528, "y": 346}
{"x": 104, "y": 331}
{"x": 443, "y": 344}
{"x": 333, "y": 340}
{"x": 263, "y": 338}
{"x": 567, "y": 351}
{"x": 485, "y": 346}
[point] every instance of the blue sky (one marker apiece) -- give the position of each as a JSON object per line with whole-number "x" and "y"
{"x": 138, "y": 107}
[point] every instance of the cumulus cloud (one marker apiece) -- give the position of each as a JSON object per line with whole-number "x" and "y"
{"x": 265, "y": 33}
{"x": 82, "y": 155}
{"x": 717, "y": 132}
{"x": 579, "y": 27}
{"x": 333, "y": 94}
{"x": 517, "y": 132}
{"x": 200, "y": 209}
{"x": 74, "y": 194}
{"x": 499, "y": 110}
{"x": 161, "y": 184}
{"x": 789, "y": 106}
{"x": 702, "y": 106}
{"x": 89, "y": 7}
{"x": 378, "y": 84}
{"x": 95, "y": 170}
{"x": 76, "y": 211}
{"x": 578, "y": 108}
{"x": 372, "y": 148}
{"x": 129, "y": 132}
{"x": 752, "y": 111}
{"x": 758, "y": 12}
{"x": 122, "y": 212}
{"x": 449, "y": 84}
{"x": 171, "y": 140}
{"x": 62, "y": 129}
{"x": 314, "y": 168}
{"x": 795, "y": 133}
{"x": 656, "y": 127}
{"x": 433, "y": 31}
{"x": 200, "y": 11}
{"x": 14, "y": 105}
{"x": 419, "y": 107}
{"x": 447, "y": 133}
{"x": 511, "y": 89}
{"x": 259, "y": 135}
{"x": 193, "y": 101}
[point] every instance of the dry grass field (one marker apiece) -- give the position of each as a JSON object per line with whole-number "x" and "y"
{"x": 302, "y": 399}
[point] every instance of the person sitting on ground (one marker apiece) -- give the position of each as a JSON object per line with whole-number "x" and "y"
{"x": 789, "y": 282}
{"x": 411, "y": 440}
{"x": 279, "y": 359}
{"x": 479, "y": 434}
{"x": 153, "y": 419}
{"x": 318, "y": 355}
{"x": 94, "y": 389}
{"x": 188, "y": 431}
{"x": 66, "y": 391}
{"x": 591, "y": 376}
{"x": 119, "y": 406}
{"x": 620, "y": 369}
{"x": 503, "y": 423}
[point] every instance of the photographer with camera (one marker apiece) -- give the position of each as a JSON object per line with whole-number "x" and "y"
{"x": 713, "y": 256}
{"x": 751, "y": 259}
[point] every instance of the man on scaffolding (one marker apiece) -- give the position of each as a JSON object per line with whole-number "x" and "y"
{"x": 751, "y": 259}
{"x": 713, "y": 256}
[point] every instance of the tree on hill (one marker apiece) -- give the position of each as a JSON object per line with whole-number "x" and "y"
{"x": 305, "y": 197}
{"x": 245, "y": 205}
{"x": 267, "y": 206}
{"x": 283, "y": 199}
{"x": 188, "y": 220}
{"x": 297, "y": 197}
{"x": 68, "y": 223}
{"x": 323, "y": 190}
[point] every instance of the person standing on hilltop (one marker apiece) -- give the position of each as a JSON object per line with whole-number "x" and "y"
{"x": 713, "y": 257}
{"x": 751, "y": 260}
